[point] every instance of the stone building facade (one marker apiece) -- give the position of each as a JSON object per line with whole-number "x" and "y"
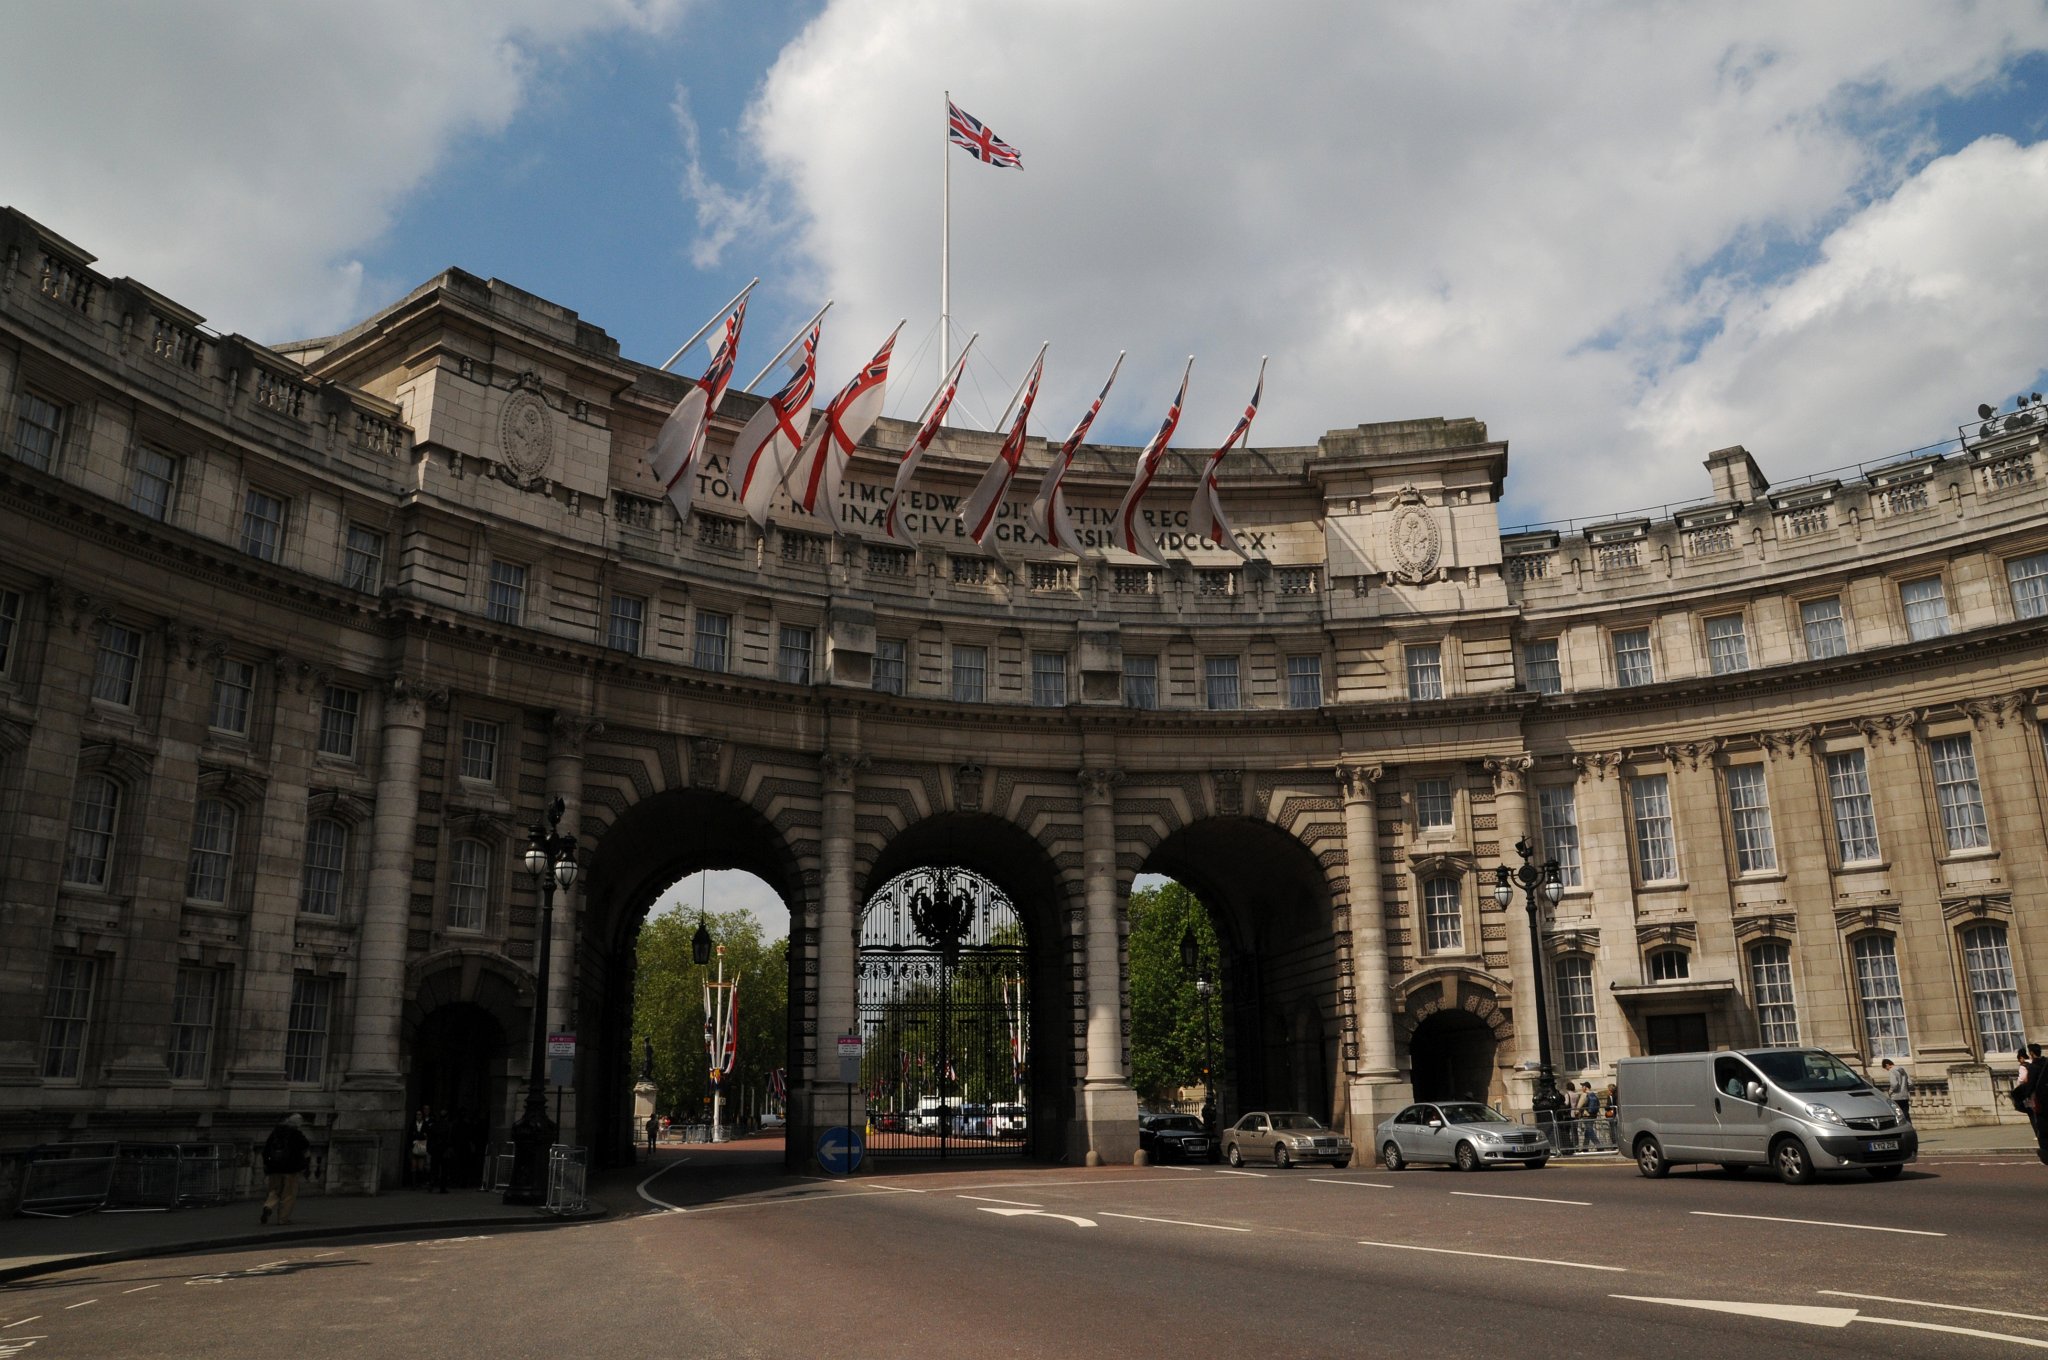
{"x": 296, "y": 641}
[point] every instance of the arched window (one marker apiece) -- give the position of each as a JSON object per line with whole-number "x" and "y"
{"x": 1577, "y": 1026}
{"x": 469, "y": 884}
{"x": 1770, "y": 990}
{"x": 1443, "y": 916}
{"x": 89, "y": 853}
{"x": 326, "y": 866}
{"x": 1882, "y": 999}
{"x": 1994, "y": 995}
{"x": 1670, "y": 965}
{"x": 213, "y": 851}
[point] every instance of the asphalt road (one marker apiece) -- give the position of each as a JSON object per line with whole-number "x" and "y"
{"x": 730, "y": 1258}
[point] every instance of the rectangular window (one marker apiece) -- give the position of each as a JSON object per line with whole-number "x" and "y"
{"x": 1926, "y": 608}
{"x": 1727, "y": 645}
{"x": 1539, "y": 659}
{"x": 1632, "y": 662}
{"x": 1141, "y": 682}
{"x": 469, "y": 885}
{"x": 970, "y": 674}
{"x": 1770, "y": 987}
{"x": 326, "y": 861}
{"x": 1994, "y": 993}
{"x": 628, "y": 620}
{"x": 2029, "y": 579}
{"x": 1219, "y": 681}
{"x": 713, "y": 648}
{"x": 1749, "y": 812}
{"x": 305, "y": 1036}
{"x": 1884, "y": 1004}
{"x": 1443, "y": 917}
{"x": 10, "y": 627}
{"x": 38, "y": 430}
{"x": 1822, "y": 622}
{"x": 118, "y": 665}
{"x": 1425, "y": 671}
{"x": 193, "y": 1005}
{"x": 1855, "y": 817}
{"x": 362, "y": 563}
{"x": 1049, "y": 679}
{"x": 1557, "y": 820}
{"x": 480, "y": 750}
{"x": 793, "y": 656}
{"x": 89, "y": 850}
{"x": 234, "y": 688}
{"x": 507, "y": 600}
{"x": 154, "y": 488}
{"x": 891, "y": 663}
{"x": 1304, "y": 682}
{"x": 262, "y": 525}
{"x": 1577, "y": 1025}
{"x": 1433, "y": 804}
{"x": 341, "y": 711}
{"x": 1656, "y": 847}
{"x": 1956, "y": 792}
{"x": 67, "y": 1009}
{"x": 213, "y": 851}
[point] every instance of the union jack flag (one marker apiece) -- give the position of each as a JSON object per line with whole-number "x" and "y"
{"x": 968, "y": 131}
{"x": 1131, "y": 536}
{"x": 1206, "y": 513}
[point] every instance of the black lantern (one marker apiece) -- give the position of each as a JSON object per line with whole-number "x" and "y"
{"x": 551, "y": 859}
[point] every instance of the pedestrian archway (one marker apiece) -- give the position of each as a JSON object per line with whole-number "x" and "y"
{"x": 1452, "y": 1057}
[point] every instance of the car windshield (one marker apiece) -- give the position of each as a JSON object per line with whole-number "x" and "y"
{"x": 1471, "y": 1114}
{"x": 1184, "y": 1122}
{"x": 1296, "y": 1121}
{"x": 1807, "y": 1070}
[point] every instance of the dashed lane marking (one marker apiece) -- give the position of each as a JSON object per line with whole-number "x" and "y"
{"x": 82, "y": 1303}
{"x": 1258, "y": 1174}
{"x": 139, "y": 1288}
{"x": 25, "y": 1321}
{"x": 1820, "y": 1223}
{"x": 1178, "y": 1222}
{"x": 1923, "y": 1303}
{"x": 1495, "y": 1256}
{"x": 1526, "y": 1199}
{"x": 1366, "y": 1185}
{"x": 1017, "y": 1203}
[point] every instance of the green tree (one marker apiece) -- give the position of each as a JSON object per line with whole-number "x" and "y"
{"x": 1166, "y": 1014}
{"x": 668, "y": 1006}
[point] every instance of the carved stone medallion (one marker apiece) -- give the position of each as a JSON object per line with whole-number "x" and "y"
{"x": 1416, "y": 541}
{"x": 526, "y": 433}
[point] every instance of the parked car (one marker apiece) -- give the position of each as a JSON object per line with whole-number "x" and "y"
{"x": 1286, "y": 1137}
{"x": 1175, "y": 1138}
{"x": 1461, "y": 1133}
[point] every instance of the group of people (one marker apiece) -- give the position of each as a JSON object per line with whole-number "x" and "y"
{"x": 1588, "y": 1122}
{"x": 444, "y": 1148}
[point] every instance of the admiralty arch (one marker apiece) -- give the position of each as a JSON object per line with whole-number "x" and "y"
{"x": 296, "y": 641}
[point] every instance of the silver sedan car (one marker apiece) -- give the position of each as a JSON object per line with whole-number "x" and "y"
{"x": 1462, "y": 1133}
{"x": 1286, "y": 1137}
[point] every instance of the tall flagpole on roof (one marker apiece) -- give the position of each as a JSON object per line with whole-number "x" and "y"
{"x": 946, "y": 242}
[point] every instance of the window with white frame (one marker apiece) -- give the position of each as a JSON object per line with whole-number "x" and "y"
{"x": 1749, "y": 816}
{"x": 1425, "y": 671}
{"x": 506, "y": 600}
{"x": 1821, "y": 621}
{"x": 1304, "y": 682}
{"x": 214, "y": 822}
{"x": 1670, "y": 965}
{"x": 793, "y": 655}
{"x": 712, "y": 649}
{"x": 1539, "y": 662}
{"x": 67, "y": 1014}
{"x": 1049, "y": 679}
{"x": 1882, "y": 999}
{"x": 118, "y": 665}
{"x": 1656, "y": 845}
{"x": 234, "y": 690}
{"x": 1854, "y": 814}
{"x": 362, "y": 563}
{"x": 1557, "y": 829}
{"x": 1141, "y": 682}
{"x": 469, "y": 884}
{"x": 1577, "y": 1026}
{"x": 89, "y": 849}
{"x": 10, "y": 628}
{"x": 1994, "y": 993}
{"x": 153, "y": 487}
{"x": 480, "y": 750}
{"x": 1433, "y": 804}
{"x": 891, "y": 665}
{"x": 194, "y": 1003}
{"x": 1956, "y": 792}
{"x": 626, "y": 623}
{"x": 1219, "y": 682}
{"x": 341, "y": 714}
{"x": 262, "y": 524}
{"x": 305, "y": 1035}
{"x": 2028, "y": 577}
{"x": 1926, "y": 608}
{"x": 38, "y": 431}
{"x": 1727, "y": 644}
{"x": 1632, "y": 661}
{"x": 325, "y": 867}
{"x": 970, "y": 674}
{"x": 1770, "y": 989}
{"x": 1443, "y": 916}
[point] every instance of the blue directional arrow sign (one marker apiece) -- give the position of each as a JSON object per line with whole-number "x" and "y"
{"x": 840, "y": 1151}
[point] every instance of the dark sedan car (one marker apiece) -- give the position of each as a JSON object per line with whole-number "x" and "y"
{"x": 1175, "y": 1138}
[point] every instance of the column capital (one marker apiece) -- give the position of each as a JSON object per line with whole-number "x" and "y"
{"x": 841, "y": 767}
{"x": 1890, "y": 726}
{"x": 1598, "y": 764}
{"x": 1691, "y": 753}
{"x": 1789, "y": 743}
{"x": 1357, "y": 778}
{"x": 1994, "y": 710}
{"x": 570, "y": 730}
{"x": 1098, "y": 783}
{"x": 1510, "y": 773}
{"x": 409, "y": 697}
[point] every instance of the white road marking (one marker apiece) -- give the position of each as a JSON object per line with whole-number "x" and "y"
{"x": 1198, "y": 1170}
{"x": 26, "y": 1321}
{"x": 1493, "y": 1256}
{"x": 1015, "y": 1203}
{"x": 83, "y": 1303}
{"x": 325, "y": 1254}
{"x": 1816, "y": 1316}
{"x": 1259, "y": 1174}
{"x": 1526, "y": 1199}
{"x": 1368, "y": 1185}
{"x": 662, "y": 1204}
{"x": 1958, "y": 1331}
{"x": 18, "y": 1345}
{"x": 1820, "y": 1223}
{"x": 1037, "y": 1213}
{"x": 1923, "y": 1303}
{"x": 139, "y": 1288}
{"x": 1178, "y": 1222}
{"x": 866, "y": 1186}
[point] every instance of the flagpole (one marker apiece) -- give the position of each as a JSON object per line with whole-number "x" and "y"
{"x": 716, "y": 317}
{"x": 788, "y": 347}
{"x": 946, "y": 242}
{"x": 1019, "y": 393}
{"x": 718, "y": 1058}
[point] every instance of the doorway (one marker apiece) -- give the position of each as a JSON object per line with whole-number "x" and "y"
{"x": 1452, "y": 1056}
{"x": 1685, "y": 1033}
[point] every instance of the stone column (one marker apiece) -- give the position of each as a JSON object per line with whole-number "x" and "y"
{"x": 1109, "y": 1107}
{"x": 827, "y": 1098}
{"x": 1511, "y": 816}
{"x": 566, "y": 734}
{"x": 1374, "y": 1082}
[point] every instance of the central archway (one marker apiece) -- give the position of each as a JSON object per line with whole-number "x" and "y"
{"x": 1453, "y": 1057}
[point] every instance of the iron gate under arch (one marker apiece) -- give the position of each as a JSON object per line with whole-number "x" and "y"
{"x": 946, "y": 1018}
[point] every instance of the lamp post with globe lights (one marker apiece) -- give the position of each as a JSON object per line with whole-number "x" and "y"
{"x": 1533, "y": 879}
{"x": 551, "y": 859}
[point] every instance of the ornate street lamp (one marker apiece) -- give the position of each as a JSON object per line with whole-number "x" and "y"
{"x": 1547, "y": 1103}
{"x": 551, "y": 859}
{"x": 1193, "y": 965}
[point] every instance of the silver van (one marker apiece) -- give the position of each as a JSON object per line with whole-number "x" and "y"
{"x": 1797, "y": 1110}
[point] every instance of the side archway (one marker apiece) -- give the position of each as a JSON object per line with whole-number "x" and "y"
{"x": 1453, "y": 1032}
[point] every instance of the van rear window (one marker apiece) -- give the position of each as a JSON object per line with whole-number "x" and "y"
{"x": 1807, "y": 1070}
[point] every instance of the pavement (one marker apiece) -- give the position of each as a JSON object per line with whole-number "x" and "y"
{"x": 40, "y": 1246}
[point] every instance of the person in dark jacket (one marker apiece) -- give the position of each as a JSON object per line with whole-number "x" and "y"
{"x": 285, "y": 1159}
{"x": 2030, "y": 1093}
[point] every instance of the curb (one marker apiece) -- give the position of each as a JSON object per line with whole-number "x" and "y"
{"x": 289, "y": 1233}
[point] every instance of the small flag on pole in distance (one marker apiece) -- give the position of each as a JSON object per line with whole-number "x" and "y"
{"x": 980, "y": 141}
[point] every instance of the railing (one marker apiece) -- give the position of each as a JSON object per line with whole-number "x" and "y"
{"x": 1052, "y": 576}
{"x": 68, "y": 1179}
{"x": 568, "y": 1173}
{"x": 2002, "y": 474}
{"x": 1569, "y": 1136}
{"x": 803, "y": 549}
{"x": 1215, "y": 582}
{"x": 1299, "y": 580}
{"x": 1529, "y": 567}
{"x": 970, "y": 571}
{"x": 1132, "y": 581}
{"x": 176, "y": 345}
{"x": 1709, "y": 540}
{"x": 275, "y": 392}
{"x": 498, "y": 1161}
{"x": 1902, "y": 499}
{"x": 889, "y": 561}
{"x": 1807, "y": 519}
{"x": 1618, "y": 556}
{"x": 715, "y": 531}
{"x": 67, "y": 283}
{"x": 635, "y": 512}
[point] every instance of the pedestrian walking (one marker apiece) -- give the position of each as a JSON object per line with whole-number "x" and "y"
{"x": 1900, "y": 1089}
{"x": 416, "y": 1146}
{"x": 653, "y": 1132}
{"x": 285, "y": 1159}
{"x": 2030, "y": 1094}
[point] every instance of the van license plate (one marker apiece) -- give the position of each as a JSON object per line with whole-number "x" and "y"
{"x": 1884, "y": 1145}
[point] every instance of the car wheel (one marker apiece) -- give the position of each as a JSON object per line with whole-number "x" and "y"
{"x": 1280, "y": 1157}
{"x": 1650, "y": 1157}
{"x": 1233, "y": 1156}
{"x": 1468, "y": 1157}
{"x": 1794, "y": 1166}
{"x": 1885, "y": 1173}
{"x": 1538, "y": 1164}
{"x": 1391, "y": 1155}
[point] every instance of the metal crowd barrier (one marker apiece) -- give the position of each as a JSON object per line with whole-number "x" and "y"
{"x": 1578, "y": 1135}
{"x": 498, "y": 1158}
{"x": 568, "y": 1170}
{"x": 65, "y": 1179}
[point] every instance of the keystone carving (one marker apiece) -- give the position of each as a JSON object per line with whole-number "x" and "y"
{"x": 704, "y": 753}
